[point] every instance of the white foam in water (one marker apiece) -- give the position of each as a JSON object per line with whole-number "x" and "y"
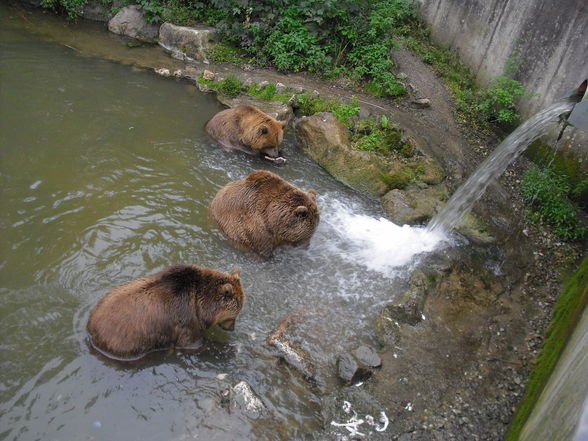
{"x": 378, "y": 243}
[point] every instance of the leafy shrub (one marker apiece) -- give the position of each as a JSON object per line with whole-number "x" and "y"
{"x": 152, "y": 10}
{"x": 69, "y": 7}
{"x": 230, "y": 86}
{"x": 547, "y": 194}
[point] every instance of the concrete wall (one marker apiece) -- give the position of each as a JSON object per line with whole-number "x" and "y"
{"x": 549, "y": 36}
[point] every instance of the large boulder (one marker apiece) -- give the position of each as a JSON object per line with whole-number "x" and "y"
{"x": 129, "y": 21}
{"x": 326, "y": 140}
{"x": 188, "y": 42}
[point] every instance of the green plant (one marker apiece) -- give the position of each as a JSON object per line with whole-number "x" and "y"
{"x": 71, "y": 7}
{"x": 546, "y": 192}
{"x": 152, "y": 10}
{"x": 225, "y": 53}
{"x": 230, "y": 86}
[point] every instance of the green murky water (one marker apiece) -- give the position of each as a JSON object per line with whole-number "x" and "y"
{"x": 106, "y": 175}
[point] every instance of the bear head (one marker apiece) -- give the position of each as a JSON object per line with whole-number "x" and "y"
{"x": 262, "y": 133}
{"x": 224, "y": 300}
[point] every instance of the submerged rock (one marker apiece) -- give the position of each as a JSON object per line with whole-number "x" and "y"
{"x": 367, "y": 356}
{"x": 244, "y": 398}
{"x": 188, "y": 42}
{"x": 129, "y": 21}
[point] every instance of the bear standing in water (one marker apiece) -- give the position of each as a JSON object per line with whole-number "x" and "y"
{"x": 249, "y": 129}
{"x": 171, "y": 308}
{"x": 262, "y": 211}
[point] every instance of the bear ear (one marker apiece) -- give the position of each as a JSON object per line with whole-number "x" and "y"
{"x": 226, "y": 291}
{"x": 312, "y": 193}
{"x": 235, "y": 272}
{"x": 263, "y": 130}
{"x": 301, "y": 211}
{"x": 284, "y": 123}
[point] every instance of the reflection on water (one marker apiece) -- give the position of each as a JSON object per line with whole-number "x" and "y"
{"x": 106, "y": 175}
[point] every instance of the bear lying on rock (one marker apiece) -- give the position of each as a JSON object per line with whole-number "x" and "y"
{"x": 169, "y": 309}
{"x": 262, "y": 211}
{"x": 248, "y": 129}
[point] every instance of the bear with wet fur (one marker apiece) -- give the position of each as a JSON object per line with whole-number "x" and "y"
{"x": 171, "y": 308}
{"x": 247, "y": 128}
{"x": 263, "y": 211}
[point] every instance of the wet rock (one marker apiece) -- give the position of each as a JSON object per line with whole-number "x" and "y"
{"x": 414, "y": 205}
{"x": 347, "y": 367}
{"x": 188, "y": 42}
{"x": 277, "y": 109}
{"x": 164, "y": 72}
{"x": 326, "y": 140}
{"x": 366, "y": 355}
{"x": 244, "y": 398}
{"x": 129, "y": 21}
{"x": 475, "y": 230}
{"x": 406, "y": 309}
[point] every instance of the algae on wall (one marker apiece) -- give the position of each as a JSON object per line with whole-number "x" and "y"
{"x": 558, "y": 384}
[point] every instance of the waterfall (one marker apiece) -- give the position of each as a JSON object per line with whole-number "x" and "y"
{"x": 494, "y": 165}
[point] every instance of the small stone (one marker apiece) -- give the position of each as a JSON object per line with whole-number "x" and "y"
{"x": 422, "y": 102}
{"x": 280, "y": 87}
{"x": 402, "y": 76}
{"x": 163, "y": 72}
{"x": 244, "y": 397}
{"x": 263, "y": 84}
{"x": 203, "y": 88}
{"x": 347, "y": 367}
{"x": 367, "y": 356}
{"x": 208, "y": 75}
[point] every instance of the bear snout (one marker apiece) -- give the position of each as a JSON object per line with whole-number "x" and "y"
{"x": 228, "y": 325}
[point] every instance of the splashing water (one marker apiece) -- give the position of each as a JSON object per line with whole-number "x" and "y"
{"x": 377, "y": 243}
{"x": 494, "y": 165}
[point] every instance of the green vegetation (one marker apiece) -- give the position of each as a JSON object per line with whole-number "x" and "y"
{"x": 565, "y": 163}
{"x": 567, "y": 311}
{"x": 481, "y": 106}
{"x": 547, "y": 192}
{"x": 69, "y": 7}
{"x": 151, "y": 10}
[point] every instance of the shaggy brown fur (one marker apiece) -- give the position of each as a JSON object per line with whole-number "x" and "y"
{"x": 263, "y": 211}
{"x": 171, "y": 308}
{"x": 249, "y": 129}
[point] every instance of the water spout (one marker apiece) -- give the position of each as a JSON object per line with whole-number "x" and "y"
{"x": 578, "y": 117}
{"x": 494, "y": 165}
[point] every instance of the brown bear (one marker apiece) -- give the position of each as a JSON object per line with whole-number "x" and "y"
{"x": 168, "y": 309}
{"x": 247, "y": 128}
{"x": 262, "y": 211}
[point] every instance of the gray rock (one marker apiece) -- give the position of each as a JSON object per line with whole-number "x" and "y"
{"x": 188, "y": 42}
{"x": 94, "y": 10}
{"x": 244, "y": 398}
{"x": 129, "y": 21}
{"x": 347, "y": 367}
{"x": 422, "y": 102}
{"x": 367, "y": 356}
